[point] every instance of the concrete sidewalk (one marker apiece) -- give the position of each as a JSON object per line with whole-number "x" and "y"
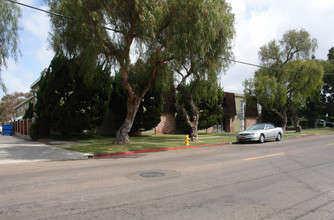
{"x": 16, "y": 150}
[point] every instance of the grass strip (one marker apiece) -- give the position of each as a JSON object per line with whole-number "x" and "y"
{"x": 96, "y": 144}
{"x": 105, "y": 148}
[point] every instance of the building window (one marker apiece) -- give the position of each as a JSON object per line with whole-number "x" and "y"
{"x": 242, "y": 115}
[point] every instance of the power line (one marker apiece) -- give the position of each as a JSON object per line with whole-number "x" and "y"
{"x": 259, "y": 66}
{"x": 255, "y": 65}
{"x": 42, "y": 10}
{"x": 70, "y": 18}
{"x": 50, "y": 12}
{"x": 251, "y": 64}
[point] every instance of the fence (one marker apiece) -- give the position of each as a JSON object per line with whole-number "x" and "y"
{"x": 21, "y": 128}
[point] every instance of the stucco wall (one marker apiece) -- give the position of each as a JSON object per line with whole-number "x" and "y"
{"x": 239, "y": 120}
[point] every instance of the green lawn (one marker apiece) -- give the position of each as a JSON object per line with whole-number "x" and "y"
{"x": 96, "y": 144}
{"x": 143, "y": 143}
{"x": 309, "y": 131}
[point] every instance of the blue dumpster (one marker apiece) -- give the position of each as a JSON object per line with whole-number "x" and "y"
{"x": 7, "y": 129}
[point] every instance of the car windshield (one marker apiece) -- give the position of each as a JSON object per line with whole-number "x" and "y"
{"x": 256, "y": 127}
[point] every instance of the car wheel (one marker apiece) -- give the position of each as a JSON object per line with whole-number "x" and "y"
{"x": 279, "y": 137}
{"x": 261, "y": 139}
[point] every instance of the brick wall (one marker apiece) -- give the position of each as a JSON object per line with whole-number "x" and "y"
{"x": 232, "y": 124}
{"x": 209, "y": 130}
{"x": 250, "y": 121}
{"x": 167, "y": 124}
{"x": 229, "y": 126}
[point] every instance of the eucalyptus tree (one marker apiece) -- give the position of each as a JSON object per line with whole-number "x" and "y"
{"x": 8, "y": 103}
{"x": 202, "y": 60}
{"x": 9, "y": 34}
{"x": 150, "y": 109}
{"x": 126, "y": 31}
{"x": 208, "y": 98}
{"x": 195, "y": 99}
{"x": 327, "y": 91}
{"x": 288, "y": 77}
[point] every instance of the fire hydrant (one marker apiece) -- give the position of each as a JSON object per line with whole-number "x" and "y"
{"x": 186, "y": 140}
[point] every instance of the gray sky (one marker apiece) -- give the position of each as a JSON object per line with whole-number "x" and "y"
{"x": 260, "y": 21}
{"x": 257, "y": 23}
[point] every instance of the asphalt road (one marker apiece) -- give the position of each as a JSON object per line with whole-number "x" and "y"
{"x": 291, "y": 179}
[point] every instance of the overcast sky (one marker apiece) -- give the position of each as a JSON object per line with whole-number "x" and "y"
{"x": 257, "y": 23}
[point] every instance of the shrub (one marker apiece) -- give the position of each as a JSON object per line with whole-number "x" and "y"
{"x": 33, "y": 131}
{"x": 303, "y": 123}
{"x": 29, "y": 112}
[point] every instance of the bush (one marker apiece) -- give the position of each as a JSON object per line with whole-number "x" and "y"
{"x": 182, "y": 126}
{"x": 68, "y": 101}
{"x": 303, "y": 123}
{"x": 29, "y": 112}
{"x": 33, "y": 131}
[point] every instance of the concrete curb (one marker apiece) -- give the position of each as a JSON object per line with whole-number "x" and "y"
{"x": 155, "y": 150}
{"x": 307, "y": 135}
{"x": 174, "y": 148}
{"x": 301, "y": 136}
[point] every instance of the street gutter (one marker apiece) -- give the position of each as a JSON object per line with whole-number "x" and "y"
{"x": 155, "y": 150}
{"x": 178, "y": 148}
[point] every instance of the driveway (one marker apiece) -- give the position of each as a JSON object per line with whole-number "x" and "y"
{"x": 16, "y": 150}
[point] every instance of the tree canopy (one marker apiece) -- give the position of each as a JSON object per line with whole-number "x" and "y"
{"x": 66, "y": 103}
{"x": 9, "y": 102}
{"x": 209, "y": 99}
{"x": 203, "y": 60}
{"x": 330, "y": 54}
{"x": 327, "y": 91}
{"x": 294, "y": 45}
{"x": 290, "y": 77}
{"x": 123, "y": 32}
{"x": 9, "y": 34}
{"x": 210, "y": 111}
{"x": 328, "y": 88}
{"x": 322, "y": 102}
{"x": 150, "y": 109}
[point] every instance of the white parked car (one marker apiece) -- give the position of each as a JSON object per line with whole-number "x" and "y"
{"x": 260, "y": 133}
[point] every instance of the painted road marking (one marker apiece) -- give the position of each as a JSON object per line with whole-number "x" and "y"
{"x": 271, "y": 155}
{"x": 331, "y": 144}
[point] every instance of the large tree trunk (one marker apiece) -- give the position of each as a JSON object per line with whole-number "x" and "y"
{"x": 283, "y": 116}
{"x": 122, "y": 134}
{"x": 194, "y": 123}
{"x": 133, "y": 102}
{"x": 285, "y": 121}
{"x": 298, "y": 128}
{"x": 194, "y": 133}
